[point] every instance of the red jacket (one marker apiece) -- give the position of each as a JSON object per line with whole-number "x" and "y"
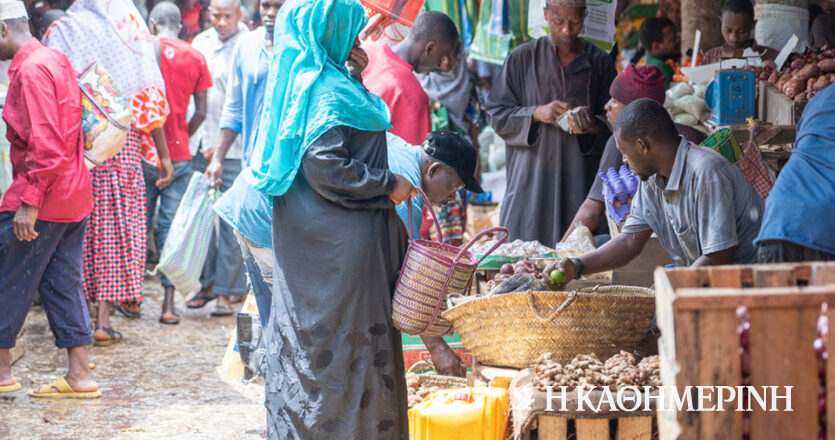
{"x": 43, "y": 118}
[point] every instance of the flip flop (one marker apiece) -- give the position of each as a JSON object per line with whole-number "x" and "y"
{"x": 174, "y": 321}
{"x": 10, "y": 388}
{"x": 223, "y": 310}
{"x": 64, "y": 390}
{"x": 114, "y": 337}
{"x": 203, "y": 300}
{"x": 127, "y": 313}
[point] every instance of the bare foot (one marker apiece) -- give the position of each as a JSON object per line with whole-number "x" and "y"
{"x": 6, "y": 377}
{"x": 81, "y": 384}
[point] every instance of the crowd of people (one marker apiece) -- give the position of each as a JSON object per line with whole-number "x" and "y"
{"x": 319, "y": 139}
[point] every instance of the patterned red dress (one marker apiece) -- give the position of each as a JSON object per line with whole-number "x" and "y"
{"x": 114, "y": 244}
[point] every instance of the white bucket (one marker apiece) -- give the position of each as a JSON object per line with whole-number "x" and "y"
{"x": 776, "y": 23}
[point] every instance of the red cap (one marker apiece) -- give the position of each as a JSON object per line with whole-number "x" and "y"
{"x": 637, "y": 82}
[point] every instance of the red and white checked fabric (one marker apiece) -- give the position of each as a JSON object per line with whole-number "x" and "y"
{"x": 754, "y": 169}
{"x": 114, "y": 243}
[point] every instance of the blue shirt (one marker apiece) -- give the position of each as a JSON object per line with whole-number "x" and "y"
{"x": 249, "y": 211}
{"x": 245, "y": 89}
{"x": 406, "y": 160}
{"x": 801, "y": 206}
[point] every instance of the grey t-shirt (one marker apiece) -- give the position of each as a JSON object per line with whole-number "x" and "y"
{"x": 706, "y": 206}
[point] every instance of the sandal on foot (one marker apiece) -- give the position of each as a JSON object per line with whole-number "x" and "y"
{"x": 12, "y": 387}
{"x": 123, "y": 309}
{"x": 199, "y": 301}
{"x": 61, "y": 389}
{"x": 223, "y": 310}
{"x": 114, "y": 337}
{"x": 169, "y": 319}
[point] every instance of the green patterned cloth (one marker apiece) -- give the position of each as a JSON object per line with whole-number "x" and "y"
{"x": 502, "y": 26}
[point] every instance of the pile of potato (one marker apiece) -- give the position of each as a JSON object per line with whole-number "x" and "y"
{"x": 417, "y": 392}
{"x": 619, "y": 371}
{"x": 805, "y": 74}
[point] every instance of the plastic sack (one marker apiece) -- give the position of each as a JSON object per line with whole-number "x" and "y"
{"x": 185, "y": 249}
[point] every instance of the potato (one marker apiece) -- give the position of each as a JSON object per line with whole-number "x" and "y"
{"x": 774, "y": 78}
{"x": 808, "y": 71}
{"x": 820, "y": 84}
{"x": 826, "y": 66}
{"x": 786, "y": 77}
{"x": 794, "y": 87}
{"x": 802, "y": 96}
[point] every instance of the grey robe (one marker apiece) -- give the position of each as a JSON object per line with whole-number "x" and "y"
{"x": 549, "y": 172}
{"x": 334, "y": 362}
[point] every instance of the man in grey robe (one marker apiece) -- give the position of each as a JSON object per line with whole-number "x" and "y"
{"x": 549, "y": 171}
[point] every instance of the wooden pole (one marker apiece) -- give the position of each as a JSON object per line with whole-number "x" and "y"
{"x": 701, "y": 15}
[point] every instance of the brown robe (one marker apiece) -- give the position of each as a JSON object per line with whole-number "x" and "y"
{"x": 549, "y": 171}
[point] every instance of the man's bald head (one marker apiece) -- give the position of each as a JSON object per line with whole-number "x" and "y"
{"x": 165, "y": 16}
{"x": 225, "y": 15}
{"x": 226, "y": 4}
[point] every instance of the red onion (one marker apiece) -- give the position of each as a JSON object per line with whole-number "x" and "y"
{"x": 506, "y": 269}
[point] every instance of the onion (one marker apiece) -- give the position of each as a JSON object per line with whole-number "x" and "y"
{"x": 818, "y": 346}
{"x": 798, "y": 64}
{"x": 506, "y": 269}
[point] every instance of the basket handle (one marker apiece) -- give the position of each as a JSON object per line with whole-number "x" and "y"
{"x": 422, "y": 364}
{"x": 555, "y": 313}
{"x": 478, "y": 236}
{"x": 441, "y": 294}
{"x": 431, "y": 210}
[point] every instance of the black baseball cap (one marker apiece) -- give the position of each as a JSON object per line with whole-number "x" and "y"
{"x": 457, "y": 152}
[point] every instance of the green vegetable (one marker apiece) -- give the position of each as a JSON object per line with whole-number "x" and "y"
{"x": 557, "y": 276}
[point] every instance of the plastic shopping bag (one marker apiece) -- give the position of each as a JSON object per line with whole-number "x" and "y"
{"x": 185, "y": 249}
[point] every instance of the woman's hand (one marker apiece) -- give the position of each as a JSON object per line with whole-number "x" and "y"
{"x": 403, "y": 191}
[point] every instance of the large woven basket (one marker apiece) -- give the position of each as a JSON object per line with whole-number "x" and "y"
{"x": 514, "y": 329}
{"x": 430, "y": 272}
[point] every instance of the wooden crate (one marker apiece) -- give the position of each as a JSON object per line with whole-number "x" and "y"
{"x": 776, "y": 108}
{"x": 551, "y": 427}
{"x": 699, "y": 345}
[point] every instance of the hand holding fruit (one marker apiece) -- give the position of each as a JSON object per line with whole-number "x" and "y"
{"x": 566, "y": 270}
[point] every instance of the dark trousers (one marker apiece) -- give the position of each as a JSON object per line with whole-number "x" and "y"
{"x": 779, "y": 251}
{"x": 50, "y": 264}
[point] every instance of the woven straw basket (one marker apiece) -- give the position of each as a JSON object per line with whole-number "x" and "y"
{"x": 434, "y": 379}
{"x": 514, "y": 329}
{"x": 430, "y": 272}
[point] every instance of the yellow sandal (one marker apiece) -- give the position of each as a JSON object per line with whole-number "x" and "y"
{"x": 10, "y": 388}
{"x": 64, "y": 390}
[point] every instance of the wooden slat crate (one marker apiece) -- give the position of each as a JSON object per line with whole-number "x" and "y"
{"x": 776, "y": 108}
{"x": 628, "y": 428}
{"x": 699, "y": 345}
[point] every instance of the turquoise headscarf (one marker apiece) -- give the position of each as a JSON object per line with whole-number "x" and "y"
{"x": 309, "y": 90}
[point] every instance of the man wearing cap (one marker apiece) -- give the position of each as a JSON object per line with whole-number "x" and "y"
{"x": 443, "y": 165}
{"x": 549, "y": 168}
{"x": 43, "y": 214}
{"x": 633, "y": 83}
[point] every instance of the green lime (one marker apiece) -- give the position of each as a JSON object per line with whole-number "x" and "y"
{"x": 557, "y": 276}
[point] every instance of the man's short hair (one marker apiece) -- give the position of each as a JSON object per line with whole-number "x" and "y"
{"x": 652, "y": 31}
{"x": 434, "y": 25}
{"x": 165, "y": 14}
{"x": 738, "y": 7}
{"x": 645, "y": 119}
{"x": 20, "y": 24}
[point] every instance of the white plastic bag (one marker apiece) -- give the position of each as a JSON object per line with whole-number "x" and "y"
{"x": 187, "y": 244}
